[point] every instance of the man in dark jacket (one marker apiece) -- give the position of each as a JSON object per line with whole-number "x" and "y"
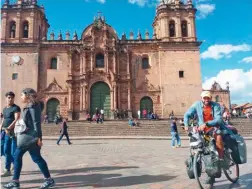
{"x": 64, "y": 132}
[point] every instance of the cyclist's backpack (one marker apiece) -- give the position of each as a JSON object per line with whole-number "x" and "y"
{"x": 189, "y": 167}
{"x": 212, "y": 166}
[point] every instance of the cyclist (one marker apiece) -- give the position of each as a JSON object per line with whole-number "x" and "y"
{"x": 208, "y": 115}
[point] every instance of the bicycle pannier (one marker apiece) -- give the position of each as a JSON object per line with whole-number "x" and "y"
{"x": 212, "y": 166}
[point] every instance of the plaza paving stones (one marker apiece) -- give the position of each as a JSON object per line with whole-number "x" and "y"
{"x": 120, "y": 164}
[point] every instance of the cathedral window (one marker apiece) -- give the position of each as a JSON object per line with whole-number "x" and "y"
{"x": 172, "y": 28}
{"x": 13, "y": 29}
{"x": 217, "y": 99}
{"x": 54, "y": 64}
{"x": 184, "y": 29}
{"x": 145, "y": 63}
{"x": 181, "y": 74}
{"x": 99, "y": 61}
{"x": 14, "y": 76}
{"x": 25, "y": 29}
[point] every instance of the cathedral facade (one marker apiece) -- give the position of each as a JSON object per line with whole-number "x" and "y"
{"x": 99, "y": 69}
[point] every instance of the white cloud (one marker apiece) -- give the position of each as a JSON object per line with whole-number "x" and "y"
{"x": 200, "y": 1}
{"x": 219, "y": 51}
{"x": 101, "y": 1}
{"x": 141, "y": 3}
{"x": 240, "y": 82}
{"x": 247, "y": 59}
{"x": 205, "y": 9}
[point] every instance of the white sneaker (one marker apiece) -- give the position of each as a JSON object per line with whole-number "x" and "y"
{"x": 6, "y": 173}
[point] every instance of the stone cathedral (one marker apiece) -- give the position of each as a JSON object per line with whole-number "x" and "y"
{"x": 99, "y": 69}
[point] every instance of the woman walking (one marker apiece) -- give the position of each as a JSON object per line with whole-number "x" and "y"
{"x": 30, "y": 139}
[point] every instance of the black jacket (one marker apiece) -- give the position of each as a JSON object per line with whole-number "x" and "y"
{"x": 64, "y": 127}
{"x": 32, "y": 117}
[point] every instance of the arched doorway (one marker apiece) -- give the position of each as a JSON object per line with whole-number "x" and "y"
{"x": 100, "y": 98}
{"x": 52, "y": 108}
{"x": 147, "y": 104}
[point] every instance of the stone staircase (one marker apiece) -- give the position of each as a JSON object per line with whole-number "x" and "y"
{"x": 159, "y": 128}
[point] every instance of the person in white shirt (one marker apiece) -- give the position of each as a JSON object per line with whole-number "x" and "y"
{"x": 102, "y": 114}
{"x": 139, "y": 114}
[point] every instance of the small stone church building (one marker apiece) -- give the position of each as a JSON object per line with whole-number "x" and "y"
{"x": 99, "y": 69}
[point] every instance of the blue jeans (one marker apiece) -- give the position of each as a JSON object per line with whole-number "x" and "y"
{"x": 61, "y": 136}
{"x": 36, "y": 157}
{"x": 175, "y": 136}
{"x": 2, "y": 142}
{"x": 10, "y": 145}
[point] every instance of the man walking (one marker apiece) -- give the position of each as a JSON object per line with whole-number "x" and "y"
{"x": 174, "y": 133}
{"x": 11, "y": 114}
{"x": 64, "y": 132}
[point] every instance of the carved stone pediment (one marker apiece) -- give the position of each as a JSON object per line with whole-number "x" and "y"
{"x": 216, "y": 87}
{"x": 111, "y": 76}
{"x": 87, "y": 38}
{"x": 54, "y": 87}
{"x": 146, "y": 86}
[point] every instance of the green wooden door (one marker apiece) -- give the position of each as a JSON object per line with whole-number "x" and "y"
{"x": 100, "y": 98}
{"x": 147, "y": 104}
{"x": 52, "y": 108}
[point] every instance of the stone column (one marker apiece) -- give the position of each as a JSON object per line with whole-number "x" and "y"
{"x": 192, "y": 27}
{"x": 114, "y": 61}
{"x": 83, "y": 102}
{"x": 5, "y": 31}
{"x": 118, "y": 97}
{"x": 70, "y": 99}
{"x": 92, "y": 60}
{"x": 112, "y": 99}
{"x": 84, "y": 62}
{"x": 84, "y": 107}
{"x": 129, "y": 101}
{"x": 164, "y": 27}
{"x": 115, "y": 97}
{"x": 128, "y": 62}
{"x": 70, "y": 63}
{"x": 18, "y": 26}
{"x": 106, "y": 60}
{"x": 178, "y": 27}
{"x": 31, "y": 25}
{"x": 81, "y": 97}
{"x": 118, "y": 63}
{"x": 81, "y": 64}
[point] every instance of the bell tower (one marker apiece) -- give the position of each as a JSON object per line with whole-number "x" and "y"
{"x": 23, "y": 22}
{"x": 175, "y": 21}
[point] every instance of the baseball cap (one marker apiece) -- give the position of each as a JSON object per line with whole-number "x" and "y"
{"x": 206, "y": 94}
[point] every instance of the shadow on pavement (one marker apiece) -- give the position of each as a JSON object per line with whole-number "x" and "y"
{"x": 133, "y": 180}
{"x": 101, "y": 180}
{"x": 245, "y": 182}
{"x": 64, "y": 143}
{"x": 80, "y": 170}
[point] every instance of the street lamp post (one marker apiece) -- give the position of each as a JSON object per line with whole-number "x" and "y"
{"x": 229, "y": 95}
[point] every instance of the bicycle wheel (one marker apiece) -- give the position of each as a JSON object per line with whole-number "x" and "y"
{"x": 233, "y": 168}
{"x": 197, "y": 161}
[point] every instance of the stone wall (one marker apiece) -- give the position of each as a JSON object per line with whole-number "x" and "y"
{"x": 26, "y": 70}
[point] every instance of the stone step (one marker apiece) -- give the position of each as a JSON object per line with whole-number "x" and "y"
{"x": 121, "y": 128}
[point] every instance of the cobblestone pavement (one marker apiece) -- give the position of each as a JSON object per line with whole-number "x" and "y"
{"x": 127, "y": 164}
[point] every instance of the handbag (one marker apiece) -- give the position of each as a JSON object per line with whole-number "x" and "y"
{"x": 26, "y": 137}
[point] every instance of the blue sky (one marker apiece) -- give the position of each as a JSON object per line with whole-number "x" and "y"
{"x": 224, "y": 26}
